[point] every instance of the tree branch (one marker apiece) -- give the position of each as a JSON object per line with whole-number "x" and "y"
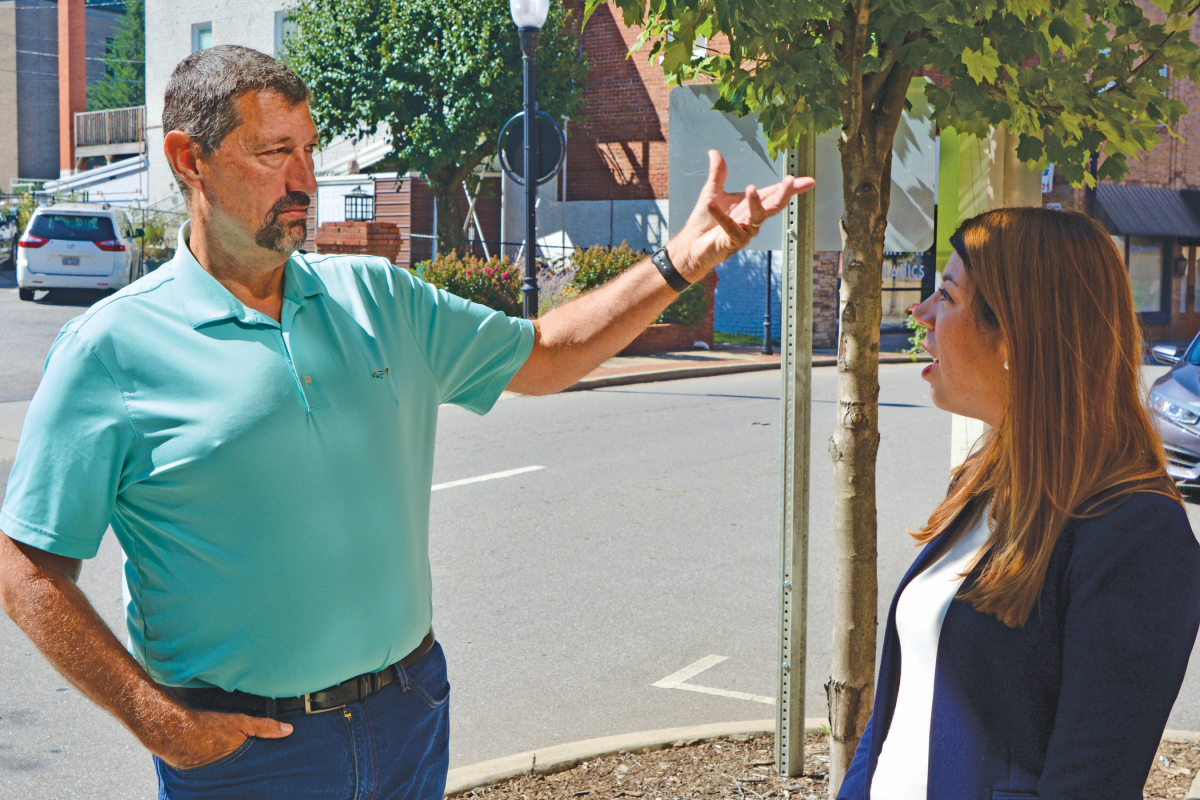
{"x": 858, "y": 44}
{"x": 891, "y": 104}
{"x": 875, "y": 82}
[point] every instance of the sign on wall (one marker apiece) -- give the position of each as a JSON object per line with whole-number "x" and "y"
{"x": 696, "y": 128}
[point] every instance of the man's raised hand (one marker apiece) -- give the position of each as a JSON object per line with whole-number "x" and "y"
{"x": 723, "y": 223}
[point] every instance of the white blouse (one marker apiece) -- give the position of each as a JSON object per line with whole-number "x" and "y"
{"x": 903, "y": 768}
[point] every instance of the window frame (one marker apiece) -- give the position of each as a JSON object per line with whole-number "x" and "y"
{"x": 197, "y": 29}
{"x": 1166, "y": 247}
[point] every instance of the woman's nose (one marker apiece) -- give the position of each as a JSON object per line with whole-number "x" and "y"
{"x": 924, "y": 312}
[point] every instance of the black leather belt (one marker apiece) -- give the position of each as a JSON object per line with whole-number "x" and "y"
{"x": 357, "y": 688}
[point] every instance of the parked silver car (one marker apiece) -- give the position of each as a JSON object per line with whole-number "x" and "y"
{"x": 1175, "y": 409}
{"x": 77, "y": 246}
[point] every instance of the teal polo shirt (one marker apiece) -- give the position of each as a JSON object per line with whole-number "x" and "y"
{"x": 269, "y": 482}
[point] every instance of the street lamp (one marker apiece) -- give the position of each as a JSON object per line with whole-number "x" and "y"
{"x": 529, "y": 16}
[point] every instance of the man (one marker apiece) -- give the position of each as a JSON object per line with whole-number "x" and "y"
{"x": 257, "y": 426}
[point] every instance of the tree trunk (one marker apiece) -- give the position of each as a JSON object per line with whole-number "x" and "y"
{"x": 866, "y": 175}
{"x": 450, "y": 237}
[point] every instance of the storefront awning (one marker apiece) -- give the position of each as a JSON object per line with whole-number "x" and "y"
{"x": 1149, "y": 211}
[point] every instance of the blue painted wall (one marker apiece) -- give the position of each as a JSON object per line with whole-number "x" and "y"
{"x": 741, "y": 293}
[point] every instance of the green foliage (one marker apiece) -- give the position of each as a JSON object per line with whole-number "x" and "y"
{"x": 125, "y": 64}
{"x": 687, "y": 309}
{"x": 156, "y": 244}
{"x": 599, "y": 265}
{"x": 914, "y": 350}
{"x": 495, "y": 283}
{"x": 1068, "y": 78}
{"x": 442, "y": 74}
{"x": 24, "y": 206}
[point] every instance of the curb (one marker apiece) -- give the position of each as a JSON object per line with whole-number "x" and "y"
{"x": 722, "y": 368}
{"x": 652, "y": 376}
{"x": 564, "y": 756}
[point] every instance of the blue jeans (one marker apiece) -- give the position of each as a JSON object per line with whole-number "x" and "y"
{"x": 392, "y": 746}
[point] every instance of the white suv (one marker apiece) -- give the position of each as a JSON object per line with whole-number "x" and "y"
{"x": 77, "y": 246}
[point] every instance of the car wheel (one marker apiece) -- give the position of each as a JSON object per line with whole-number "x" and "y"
{"x": 25, "y": 294}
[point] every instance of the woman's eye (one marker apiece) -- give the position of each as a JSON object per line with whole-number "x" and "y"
{"x": 943, "y": 293}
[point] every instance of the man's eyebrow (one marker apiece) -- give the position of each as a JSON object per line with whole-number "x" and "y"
{"x": 267, "y": 144}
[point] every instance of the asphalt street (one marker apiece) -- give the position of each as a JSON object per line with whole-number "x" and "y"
{"x": 647, "y": 541}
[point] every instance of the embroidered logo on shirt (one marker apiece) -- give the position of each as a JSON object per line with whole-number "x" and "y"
{"x": 379, "y": 373}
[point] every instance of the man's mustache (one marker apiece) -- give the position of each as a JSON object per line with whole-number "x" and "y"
{"x": 290, "y": 201}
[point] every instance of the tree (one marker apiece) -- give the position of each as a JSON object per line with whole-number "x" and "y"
{"x": 124, "y": 84}
{"x": 1068, "y": 79}
{"x": 443, "y": 75}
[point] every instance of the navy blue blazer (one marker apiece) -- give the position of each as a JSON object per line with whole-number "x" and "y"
{"x": 1073, "y": 704}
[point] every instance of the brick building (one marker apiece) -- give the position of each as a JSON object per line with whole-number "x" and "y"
{"x": 29, "y": 134}
{"x": 1154, "y": 216}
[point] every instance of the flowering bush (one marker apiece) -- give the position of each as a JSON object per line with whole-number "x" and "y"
{"x": 599, "y": 265}
{"x": 495, "y": 283}
{"x": 915, "y": 350}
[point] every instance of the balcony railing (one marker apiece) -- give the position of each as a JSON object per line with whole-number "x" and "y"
{"x": 111, "y": 126}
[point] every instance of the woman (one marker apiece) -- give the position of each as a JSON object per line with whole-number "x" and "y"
{"x": 1037, "y": 644}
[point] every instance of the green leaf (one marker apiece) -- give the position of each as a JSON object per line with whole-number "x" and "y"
{"x": 983, "y": 65}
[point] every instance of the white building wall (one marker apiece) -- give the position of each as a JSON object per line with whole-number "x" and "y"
{"x": 170, "y": 26}
{"x": 642, "y": 224}
{"x": 331, "y": 195}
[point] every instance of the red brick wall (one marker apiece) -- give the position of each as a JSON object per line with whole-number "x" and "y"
{"x": 662, "y": 338}
{"x": 360, "y": 238}
{"x": 825, "y": 299}
{"x": 618, "y": 150}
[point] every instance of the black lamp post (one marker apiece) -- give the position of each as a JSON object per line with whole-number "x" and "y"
{"x": 529, "y": 16}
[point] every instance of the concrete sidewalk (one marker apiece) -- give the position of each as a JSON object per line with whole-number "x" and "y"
{"x": 723, "y": 359}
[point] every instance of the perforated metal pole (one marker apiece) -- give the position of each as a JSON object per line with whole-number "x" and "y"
{"x": 796, "y": 332}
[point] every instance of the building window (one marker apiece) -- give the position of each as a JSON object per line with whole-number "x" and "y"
{"x": 201, "y": 36}
{"x": 285, "y": 28}
{"x": 1145, "y": 258}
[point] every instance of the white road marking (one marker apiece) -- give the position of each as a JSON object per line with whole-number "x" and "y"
{"x": 506, "y": 474}
{"x": 678, "y": 680}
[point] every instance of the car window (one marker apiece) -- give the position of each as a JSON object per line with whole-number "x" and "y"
{"x": 72, "y": 227}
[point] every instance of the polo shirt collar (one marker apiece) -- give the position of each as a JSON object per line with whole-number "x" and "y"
{"x": 206, "y": 300}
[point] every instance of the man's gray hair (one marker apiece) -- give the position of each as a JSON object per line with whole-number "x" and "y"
{"x": 201, "y": 97}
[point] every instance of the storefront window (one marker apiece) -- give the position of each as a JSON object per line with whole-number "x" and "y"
{"x": 902, "y": 276}
{"x": 1145, "y": 273}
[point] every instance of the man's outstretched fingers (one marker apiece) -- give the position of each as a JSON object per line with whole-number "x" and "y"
{"x": 264, "y": 728}
{"x": 737, "y": 234}
{"x": 717, "y": 171}
{"x": 757, "y": 212}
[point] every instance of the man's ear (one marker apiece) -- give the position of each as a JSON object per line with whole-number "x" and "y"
{"x": 183, "y": 155}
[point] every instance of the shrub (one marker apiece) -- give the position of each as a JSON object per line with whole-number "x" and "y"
{"x": 495, "y": 283}
{"x": 599, "y": 265}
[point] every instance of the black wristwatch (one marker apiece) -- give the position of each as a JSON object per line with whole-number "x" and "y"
{"x": 672, "y": 276}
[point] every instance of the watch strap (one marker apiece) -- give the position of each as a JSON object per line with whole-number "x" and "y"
{"x": 669, "y": 273}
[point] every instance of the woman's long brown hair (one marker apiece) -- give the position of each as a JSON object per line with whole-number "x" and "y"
{"x": 1075, "y": 424}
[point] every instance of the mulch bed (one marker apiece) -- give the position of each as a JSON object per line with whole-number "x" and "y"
{"x": 743, "y": 768}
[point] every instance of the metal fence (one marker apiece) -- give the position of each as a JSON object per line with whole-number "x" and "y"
{"x": 111, "y": 126}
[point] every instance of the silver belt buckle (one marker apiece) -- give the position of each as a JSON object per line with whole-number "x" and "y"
{"x": 308, "y": 709}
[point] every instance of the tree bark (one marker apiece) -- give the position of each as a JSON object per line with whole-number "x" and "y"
{"x": 449, "y": 231}
{"x": 447, "y": 186}
{"x": 866, "y": 156}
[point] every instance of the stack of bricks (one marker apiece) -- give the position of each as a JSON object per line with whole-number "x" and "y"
{"x": 360, "y": 238}
{"x": 664, "y": 338}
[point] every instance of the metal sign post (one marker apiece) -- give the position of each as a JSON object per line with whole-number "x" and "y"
{"x": 796, "y": 332}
